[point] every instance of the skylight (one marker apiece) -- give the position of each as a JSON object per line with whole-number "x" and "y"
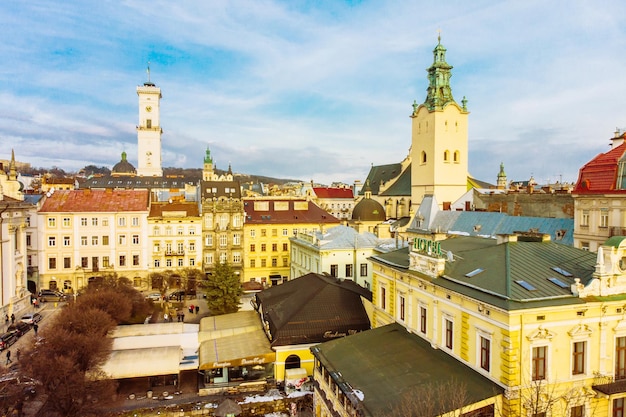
{"x": 558, "y": 282}
{"x": 561, "y": 271}
{"x": 525, "y": 285}
{"x": 474, "y": 272}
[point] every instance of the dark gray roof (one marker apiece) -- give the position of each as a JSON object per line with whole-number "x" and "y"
{"x": 385, "y": 363}
{"x": 382, "y": 173}
{"x": 401, "y": 186}
{"x": 136, "y": 182}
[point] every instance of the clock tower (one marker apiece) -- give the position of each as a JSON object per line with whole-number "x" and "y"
{"x": 149, "y": 130}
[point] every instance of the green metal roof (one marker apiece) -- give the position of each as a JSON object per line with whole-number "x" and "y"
{"x": 614, "y": 241}
{"x": 385, "y": 363}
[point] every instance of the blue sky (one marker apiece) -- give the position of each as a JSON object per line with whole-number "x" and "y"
{"x": 310, "y": 90}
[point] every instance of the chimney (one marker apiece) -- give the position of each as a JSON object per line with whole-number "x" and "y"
{"x": 618, "y": 138}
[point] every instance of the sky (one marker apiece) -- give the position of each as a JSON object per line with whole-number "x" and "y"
{"x": 310, "y": 90}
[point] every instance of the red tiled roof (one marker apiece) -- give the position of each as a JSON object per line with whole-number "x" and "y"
{"x": 327, "y": 192}
{"x": 67, "y": 201}
{"x": 191, "y": 209}
{"x": 600, "y": 174}
{"x": 292, "y": 212}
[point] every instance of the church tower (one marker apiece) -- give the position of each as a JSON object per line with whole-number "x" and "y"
{"x": 501, "y": 184}
{"x": 439, "y": 148}
{"x": 207, "y": 169}
{"x": 149, "y": 130}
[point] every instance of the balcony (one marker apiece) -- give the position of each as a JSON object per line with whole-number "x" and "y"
{"x": 607, "y": 384}
{"x": 174, "y": 253}
{"x": 617, "y": 231}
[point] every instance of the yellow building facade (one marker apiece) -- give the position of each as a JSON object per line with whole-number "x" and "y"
{"x": 550, "y": 330}
{"x": 269, "y": 223}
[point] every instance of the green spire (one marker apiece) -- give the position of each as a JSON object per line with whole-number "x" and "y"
{"x": 501, "y": 173}
{"x": 439, "y": 92}
{"x": 123, "y": 155}
{"x": 207, "y": 156}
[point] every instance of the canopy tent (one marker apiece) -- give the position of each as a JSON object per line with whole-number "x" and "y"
{"x": 250, "y": 348}
{"x": 134, "y": 363}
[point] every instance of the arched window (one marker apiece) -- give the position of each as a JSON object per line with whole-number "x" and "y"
{"x": 446, "y": 156}
{"x": 292, "y": 361}
{"x": 423, "y": 157}
{"x": 457, "y": 157}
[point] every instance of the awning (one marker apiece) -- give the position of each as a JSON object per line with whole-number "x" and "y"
{"x": 251, "y": 348}
{"x": 133, "y": 363}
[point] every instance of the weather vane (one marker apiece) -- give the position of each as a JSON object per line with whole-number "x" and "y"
{"x": 148, "y": 71}
{"x": 439, "y": 35}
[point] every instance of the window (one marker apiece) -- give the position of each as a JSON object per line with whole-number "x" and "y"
{"x": 363, "y": 270}
{"x": 52, "y": 222}
{"x": 121, "y": 239}
{"x": 66, "y": 241}
{"x": 149, "y": 123}
{"x": 236, "y": 239}
{"x": 485, "y": 353}
{"x": 383, "y": 298}
{"x": 263, "y": 232}
{"x": 192, "y": 261}
{"x": 236, "y": 257}
{"x": 156, "y": 231}
{"x": 402, "y": 307}
{"x": 604, "y": 217}
{"x": 285, "y": 261}
{"x": 52, "y": 263}
{"x": 449, "y": 332}
{"x": 180, "y": 247}
{"x": 236, "y": 220}
{"x": 578, "y": 358}
{"x": 94, "y": 240}
{"x": 105, "y": 240}
{"x": 84, "y": 262}
{"x": 333, "y": 270}
{"x": 539, "y": 363}
{"x": 252, "y": 247}
{"x": 122, "y": 260}
{"x": 274, "y": 232}
{"x": 577, "y": 411}
{"x": 192, "y": 246}
{"x": 157, "y": 263}
{"x": 121, "y": 221}
{"x": 223, "y": 222}
{"x": 446, "y": 156}
{"x": 181, "y": 262}
{"x": 584, "y": 245}
{"x": 105, "y": 262}
{"x": 208, "y": 259}
{"x": 208, "y": 240}
{"x": 67, "y": 263}
{"x": 274, "y": 247}
{"x": 52, "y": 241}
{"x": 135, "y": 239}
{"x": 263, "y": 247}
{"x": 285, "y": 232}
{"x": 618, "y": 407}
{"x": 348, "y": 270}
{"x": 66, "y": 222}
{"x": 192, "y": 230}
{"x": 105, "y": 222}
{"x": 285, "y": 247}
{"x": 252, "y": 233}
{"x": 620, "y": 357}
{"x": 457, "y": 157}
{"x": 83, "y": 240}
{"x": 180, "y": 231}
{"x": 94, "y": 221}
{"x": 168, "y": 263}
{"x": 584, "y": 219}
{"x": 252, "y": 263}
{"x": 134, "y": 221}
{"x": 274, "y": 262}
{"x": 423, "y": 157}
{"x": 135, "y": 260}
{"x": 28, "y": 240}
{"x": 263, "y": 263}
{"x": 223, "y": 241}
{"x": 83, "y": 221}
{"x": 423, "y": 317}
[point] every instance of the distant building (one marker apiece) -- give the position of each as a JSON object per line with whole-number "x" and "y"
{"x": 269, "y": 223}
{"x": 149, "y": 130}
{"x": 600, "y": 197}
{"x": 338, "y": 201}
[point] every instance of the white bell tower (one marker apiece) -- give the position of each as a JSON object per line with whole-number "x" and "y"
{"x": 149, "y": 130}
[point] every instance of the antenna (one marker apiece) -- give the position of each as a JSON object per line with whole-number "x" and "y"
{"x": 148, "y": 71}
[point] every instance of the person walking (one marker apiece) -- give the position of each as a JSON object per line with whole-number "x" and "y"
{"x": 12, "y": 318}
{"x": 9, "y": 357}
{"x": 197, "y": 309}
{"x": 35, "y": 328}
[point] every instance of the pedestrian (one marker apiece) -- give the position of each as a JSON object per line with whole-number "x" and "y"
{"x": 17, "y": 354}
{"x": 182, "y": 317}
{"x": 35, "y": 328}
{"x": 12, "y": 318}
{"x": 6, "y": 319}
{"x": 9, "y": 357}
{"x": 197, "y": 309}
{"x": 191, "y": 308}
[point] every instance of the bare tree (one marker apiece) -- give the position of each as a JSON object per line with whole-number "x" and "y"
{"x": 431, "y": 400}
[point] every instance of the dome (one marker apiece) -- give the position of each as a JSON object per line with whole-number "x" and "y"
{"x": 123, "y": 167}
{"x": 368, "y": 210}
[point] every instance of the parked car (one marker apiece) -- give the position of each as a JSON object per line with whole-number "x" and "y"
{"x": 7, "y": 340}
{"x": 31, "y": 318}
{"x": 51, "y": 295}
{"x": 155, "y": 296}
{"x": 19, "y": 328}
{"x": 181, "y": 294}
